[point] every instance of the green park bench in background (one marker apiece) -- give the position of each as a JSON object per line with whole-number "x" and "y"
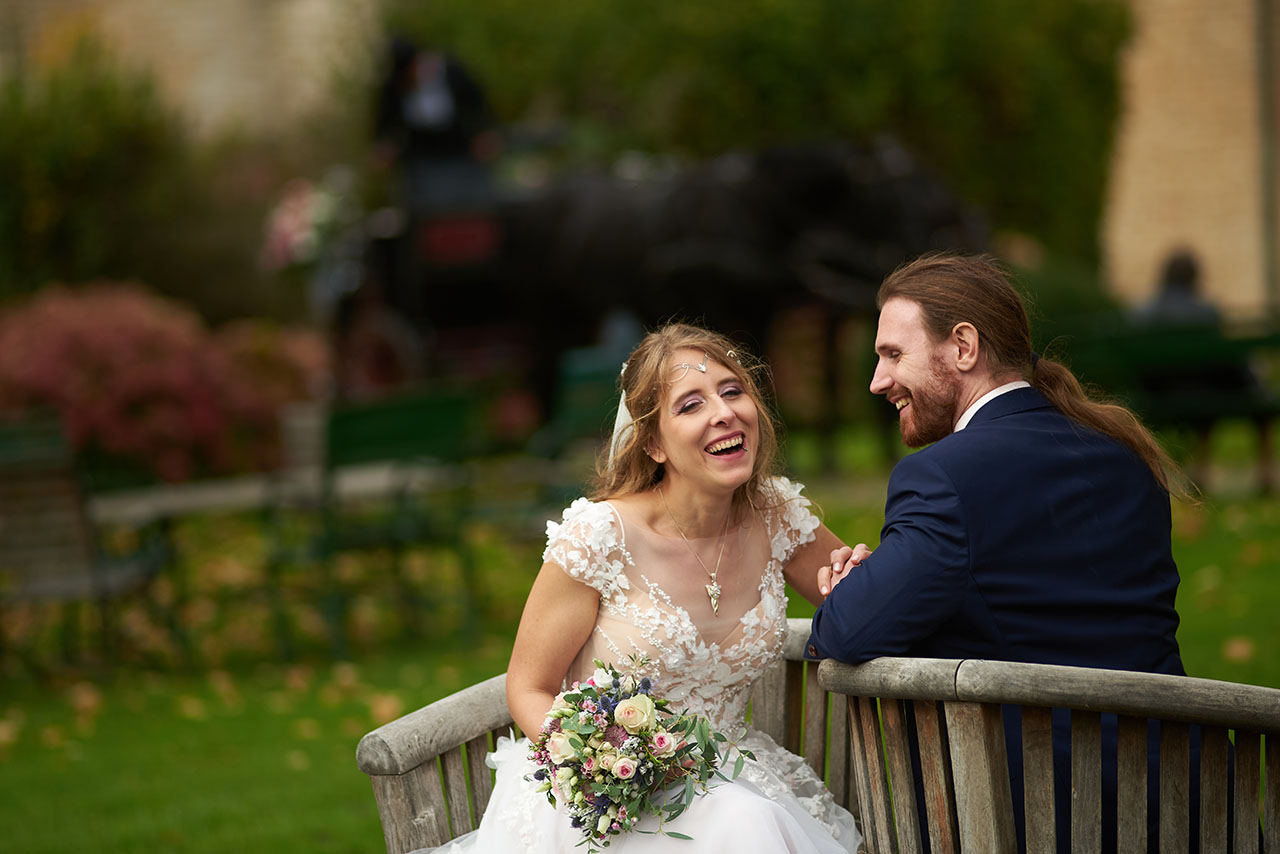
{"x": 850, "y": 723}
{"x": 51, "y": 552}
{"x": 416, "y": 446}
{"x": 1192, "y": 376}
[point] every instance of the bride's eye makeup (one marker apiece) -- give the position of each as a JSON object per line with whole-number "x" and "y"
{"x": 688, "y": 404}
{"x": 730, "y": 390}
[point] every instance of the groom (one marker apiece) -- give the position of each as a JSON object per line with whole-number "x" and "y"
{"x": 1036, "y": 525}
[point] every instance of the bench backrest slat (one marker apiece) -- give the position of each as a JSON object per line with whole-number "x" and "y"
{"x": 897, "y": 748}
{"x": 1175, "y": 795}
{"x": 1247, "y": 789}
{"x": 1037, "y": 751}
{"x": 877, "y": 814}
{"x": 481, "y": 778}
{"x": 971, "y": 734}
{"x": 1272, "y": 797}
{"x": 1131, "y": 781}
{"x": 1086, "y": 781}
{"x": 940, "y": 802}
{"x": 454, "y": 767}
{"x": 1213, "y": 790}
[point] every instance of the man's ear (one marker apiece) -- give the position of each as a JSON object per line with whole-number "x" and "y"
{"x": 964, "y": 337}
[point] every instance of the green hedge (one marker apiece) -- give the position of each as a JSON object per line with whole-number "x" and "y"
{"x": 1012, "y": 102}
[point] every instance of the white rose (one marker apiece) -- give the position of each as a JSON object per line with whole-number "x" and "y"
{"x": 602, "y": 678}
{"x": 635, "y": 714}
{"x": 559, "y": 748}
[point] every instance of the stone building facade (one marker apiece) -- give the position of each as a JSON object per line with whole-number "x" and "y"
{"x": 259, "y": 65}
{"x": 1194, "y": 156}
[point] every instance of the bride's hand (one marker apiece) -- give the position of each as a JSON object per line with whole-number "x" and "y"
{"x": 843, "y": 560}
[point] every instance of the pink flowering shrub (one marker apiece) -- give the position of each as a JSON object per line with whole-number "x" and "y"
{"x": 140, "y": 380}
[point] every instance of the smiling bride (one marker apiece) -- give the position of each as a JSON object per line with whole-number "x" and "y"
{"x": 682, "y": 555}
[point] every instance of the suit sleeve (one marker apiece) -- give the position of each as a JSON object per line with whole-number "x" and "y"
{"x": 913, "y": 583}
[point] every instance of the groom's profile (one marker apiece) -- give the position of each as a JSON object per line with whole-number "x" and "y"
{"x": 1035, "y": 525}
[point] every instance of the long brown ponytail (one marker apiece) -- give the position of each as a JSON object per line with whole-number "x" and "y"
{"x": 951, "y": 289}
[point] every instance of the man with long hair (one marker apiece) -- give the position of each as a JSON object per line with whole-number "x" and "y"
{"x": 1035, "y": 526}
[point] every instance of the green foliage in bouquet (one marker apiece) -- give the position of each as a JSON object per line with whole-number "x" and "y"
{"x": 614, "y": 753}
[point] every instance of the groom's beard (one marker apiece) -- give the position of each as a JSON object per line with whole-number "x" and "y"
{"x": 932, "y": 413}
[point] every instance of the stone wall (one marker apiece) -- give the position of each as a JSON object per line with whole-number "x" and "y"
{"x": 259, "y": 65}
{"x": 1186, "y": 168}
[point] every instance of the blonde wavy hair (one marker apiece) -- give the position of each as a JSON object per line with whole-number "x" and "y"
{"x": 645, "y": 381}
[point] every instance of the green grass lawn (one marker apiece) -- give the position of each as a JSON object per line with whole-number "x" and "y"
{"x": 247, "y": 755}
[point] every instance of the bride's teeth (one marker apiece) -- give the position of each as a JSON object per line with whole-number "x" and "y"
{"x": 726, "y": 444}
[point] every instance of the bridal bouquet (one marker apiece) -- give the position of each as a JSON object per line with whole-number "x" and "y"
{"x": 614, "y": 753}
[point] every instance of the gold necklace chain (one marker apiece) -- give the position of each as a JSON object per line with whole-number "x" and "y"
{"x": 713, "y": 589}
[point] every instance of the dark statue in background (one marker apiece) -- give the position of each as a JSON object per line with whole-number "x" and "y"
{"x": 731, "y": 243}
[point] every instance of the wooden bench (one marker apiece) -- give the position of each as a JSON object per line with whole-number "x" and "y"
{"x": 423, "y": 440}
{"x": 956, "y": 707}
{"x": 51, "y": 552}
{"x": 1192, "y": 376}
{"x": 431, "y": 784}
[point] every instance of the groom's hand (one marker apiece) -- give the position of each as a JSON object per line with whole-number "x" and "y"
{"x": 843, "y": 560}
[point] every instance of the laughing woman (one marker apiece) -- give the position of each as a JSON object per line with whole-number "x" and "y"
{"x": 682, "y": 554}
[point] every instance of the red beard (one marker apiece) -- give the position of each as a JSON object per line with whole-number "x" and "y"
{"x": 931, "y": 413}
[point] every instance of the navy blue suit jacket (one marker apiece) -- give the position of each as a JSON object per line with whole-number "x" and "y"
{"x": 1023, "y": 537}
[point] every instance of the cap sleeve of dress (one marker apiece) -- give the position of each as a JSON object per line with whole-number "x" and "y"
{"x": 796, "y": 521}
{"x": 588, "y": 545}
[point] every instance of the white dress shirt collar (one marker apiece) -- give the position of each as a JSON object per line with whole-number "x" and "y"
{"x": 984, "y": 400}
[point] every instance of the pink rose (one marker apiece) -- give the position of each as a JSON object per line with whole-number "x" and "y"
{"x": 662, "y": 743}
{"x": 624, "y": 768}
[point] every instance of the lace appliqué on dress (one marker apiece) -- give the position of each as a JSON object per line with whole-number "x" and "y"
{"x": 588, "y": 545}
{"x": 702, "y": 677}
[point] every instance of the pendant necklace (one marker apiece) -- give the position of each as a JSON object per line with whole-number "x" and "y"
{"x": 713, "y": 589}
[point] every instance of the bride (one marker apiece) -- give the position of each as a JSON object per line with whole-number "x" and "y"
{"x": 682, "y": 553}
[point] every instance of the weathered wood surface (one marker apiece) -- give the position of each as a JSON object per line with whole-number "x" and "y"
{"x": 1086, "y": 783}
{"x": 977, "y": 794}
{"x": 980, "y": 770}
{"x": 408, "y": 742}
{"x": 894, "y": 678}
{"x": 1131, "y": 783}
{"x": 1037, "y": 771}
{"x": 1151, "y": 695}
{"x": 893, "y": 716}
{"x": 1177, "y": 698}
{"x": 939, "y": 793}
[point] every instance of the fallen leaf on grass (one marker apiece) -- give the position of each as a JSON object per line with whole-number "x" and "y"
{"x": 385, "y": 707}
{"x": 1238, "y": 649}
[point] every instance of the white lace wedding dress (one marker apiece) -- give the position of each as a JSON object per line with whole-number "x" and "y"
{"x": 777, "y": 804}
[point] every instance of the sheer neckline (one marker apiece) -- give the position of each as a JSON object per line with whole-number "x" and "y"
{"x": 739, "y": 624}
